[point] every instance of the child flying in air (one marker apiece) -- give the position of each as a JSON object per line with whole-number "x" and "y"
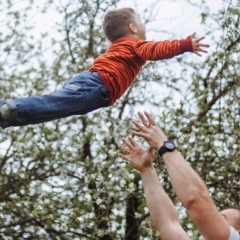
{"x": 106, "y": 80}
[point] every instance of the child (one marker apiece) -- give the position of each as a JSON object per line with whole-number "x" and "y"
{"x": 106, "y": 80}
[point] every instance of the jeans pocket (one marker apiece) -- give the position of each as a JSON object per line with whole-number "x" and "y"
{"x": 73, "y": 87}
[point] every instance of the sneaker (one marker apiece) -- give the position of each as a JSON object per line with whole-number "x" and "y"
{"x": 3, "y": 122}
{"x": 8, "y": 110}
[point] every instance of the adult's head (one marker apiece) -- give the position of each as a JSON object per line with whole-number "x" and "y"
{"x": 123, "y": 22}
{"x": 232, "y": 216}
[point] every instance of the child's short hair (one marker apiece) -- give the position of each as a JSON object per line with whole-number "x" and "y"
{"x": 116, "y": 22}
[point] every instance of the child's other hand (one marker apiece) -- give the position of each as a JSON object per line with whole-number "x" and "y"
{"x": 197, "y": 46}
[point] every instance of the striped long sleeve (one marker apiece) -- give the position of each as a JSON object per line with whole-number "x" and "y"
{"x": 125, "y": 57}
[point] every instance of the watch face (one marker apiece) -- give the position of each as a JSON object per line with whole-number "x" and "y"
{"x": 169, "y": 145}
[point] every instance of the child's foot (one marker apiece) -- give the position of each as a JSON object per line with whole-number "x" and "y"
{"x": 8, "y": 110}
{"x": 3, "y": 122}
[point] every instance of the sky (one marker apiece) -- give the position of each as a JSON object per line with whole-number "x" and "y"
{"x": 169, "y": 13}
{"x": 177, "y": 17}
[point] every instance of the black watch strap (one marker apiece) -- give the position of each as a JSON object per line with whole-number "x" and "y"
{"x": 168, "y": 146}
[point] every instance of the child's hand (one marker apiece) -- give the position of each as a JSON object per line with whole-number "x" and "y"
{"x": 197, "y": 46}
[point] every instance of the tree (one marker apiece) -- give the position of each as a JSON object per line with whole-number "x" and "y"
{"x": 63, "y": 179}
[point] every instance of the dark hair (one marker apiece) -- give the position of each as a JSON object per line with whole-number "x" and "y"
{"x": 116, "y": 22}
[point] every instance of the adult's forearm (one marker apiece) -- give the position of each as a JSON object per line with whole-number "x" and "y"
{"x": 161, "y": 208}
{"x": 186, "y": 182}
{"x": 193, "y": 194}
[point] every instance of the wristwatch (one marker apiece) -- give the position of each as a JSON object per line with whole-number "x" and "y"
{"x": 168, "y": 146}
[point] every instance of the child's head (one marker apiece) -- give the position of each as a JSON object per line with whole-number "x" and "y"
{"x": 121, "y": 23}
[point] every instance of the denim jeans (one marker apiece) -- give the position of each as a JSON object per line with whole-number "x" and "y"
{"x": 84, "y": 93}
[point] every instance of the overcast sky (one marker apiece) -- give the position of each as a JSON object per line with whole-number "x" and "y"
{"x": 177, "y": 17}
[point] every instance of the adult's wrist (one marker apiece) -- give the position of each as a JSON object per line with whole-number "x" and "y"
{"x": 159, "y": 145}
{"x": 159, "y": 142}
{"x": 148, "y": 169}
{"x": 169, "y": 156}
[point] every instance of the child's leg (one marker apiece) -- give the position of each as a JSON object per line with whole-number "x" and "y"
{"x": 82, "y": 94}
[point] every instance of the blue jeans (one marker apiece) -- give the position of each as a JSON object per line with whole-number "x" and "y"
{"x": 82, "y": 94}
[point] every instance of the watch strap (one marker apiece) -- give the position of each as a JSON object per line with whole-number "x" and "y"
{"x": 163, "y": 149}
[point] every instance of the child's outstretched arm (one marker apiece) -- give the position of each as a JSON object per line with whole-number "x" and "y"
{"x": 198, "y": 47}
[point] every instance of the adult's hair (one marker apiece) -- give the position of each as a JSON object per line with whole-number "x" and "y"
{"x": 116, "y": 23}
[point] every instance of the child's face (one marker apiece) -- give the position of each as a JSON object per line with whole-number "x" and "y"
{"x": 141, "y": 30}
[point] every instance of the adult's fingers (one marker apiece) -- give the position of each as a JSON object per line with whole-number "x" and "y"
{"x": 128, "y": 144}
{"x": 144, "y": 121}
{"x": 124, "y": 149}
{"x": 150, "y": 119}
{"x": 139, "y": 134}
{"x": 125, "y": 157}
{"x": 138, "y": 125}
